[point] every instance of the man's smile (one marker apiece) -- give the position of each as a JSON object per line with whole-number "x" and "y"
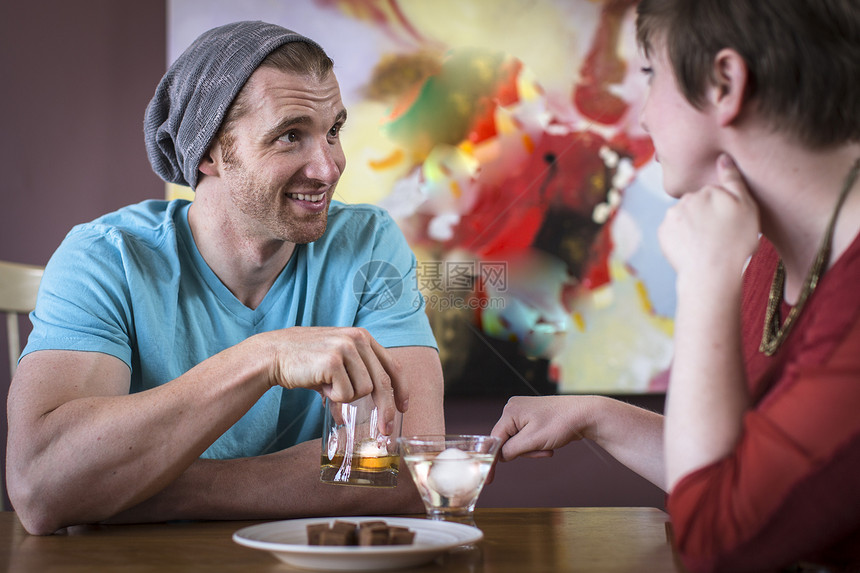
{"x": 315, "y": 198}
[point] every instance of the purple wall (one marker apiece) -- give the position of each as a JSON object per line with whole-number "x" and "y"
{"x": 76, "y": 78}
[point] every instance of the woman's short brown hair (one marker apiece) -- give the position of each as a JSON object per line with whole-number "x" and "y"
{"x": 803, "y": 57}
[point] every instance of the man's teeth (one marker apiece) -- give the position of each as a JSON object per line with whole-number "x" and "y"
{"x": 305, "y": 197}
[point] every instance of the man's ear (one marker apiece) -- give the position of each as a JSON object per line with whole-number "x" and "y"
{"x": 728, "y": 85}
{"x": 210, "y": 162}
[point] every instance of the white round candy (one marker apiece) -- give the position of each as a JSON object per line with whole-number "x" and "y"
{"x": 454, "y": 473}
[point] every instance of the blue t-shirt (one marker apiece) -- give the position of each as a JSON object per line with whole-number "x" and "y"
{"x": 132, "y": 284}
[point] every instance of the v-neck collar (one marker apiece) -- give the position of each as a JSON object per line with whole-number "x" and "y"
{"x": 223, "y": 294}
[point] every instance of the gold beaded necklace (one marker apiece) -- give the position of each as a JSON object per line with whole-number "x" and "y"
{"x": 774, "y": 334}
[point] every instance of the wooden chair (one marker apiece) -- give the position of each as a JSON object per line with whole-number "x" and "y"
{"x": 18, "y": 287}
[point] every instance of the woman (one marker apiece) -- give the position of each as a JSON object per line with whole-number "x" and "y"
{"x": 753, "y": 110}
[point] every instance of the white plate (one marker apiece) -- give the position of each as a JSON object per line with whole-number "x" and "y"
{"x": 288, "y": 541}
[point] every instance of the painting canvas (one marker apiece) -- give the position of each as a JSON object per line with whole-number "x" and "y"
{"x": 503, "y": 137}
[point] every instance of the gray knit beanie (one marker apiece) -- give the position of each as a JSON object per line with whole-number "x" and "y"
{"x": 193, "y": 96}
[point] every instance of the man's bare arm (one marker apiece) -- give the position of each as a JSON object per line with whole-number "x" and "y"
{"x": 286, "y": 484}
{"x": 82, "y": 450}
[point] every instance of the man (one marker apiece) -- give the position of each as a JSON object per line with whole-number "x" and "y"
{"x": 179, "y": 349}
{"x": 753, "y": 110}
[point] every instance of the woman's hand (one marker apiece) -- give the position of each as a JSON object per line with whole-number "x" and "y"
{"x": 713, "y": 231}
{"x": 535, "y": 426}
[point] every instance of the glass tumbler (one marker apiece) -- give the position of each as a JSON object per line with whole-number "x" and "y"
{"x": 354, "y": 451}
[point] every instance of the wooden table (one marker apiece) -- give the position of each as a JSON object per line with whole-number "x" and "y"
{"x": 532, "y": 540}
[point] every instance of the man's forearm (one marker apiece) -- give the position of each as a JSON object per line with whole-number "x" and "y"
{"x": 98, "y": 451}
{"x": 281, "y": 485}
